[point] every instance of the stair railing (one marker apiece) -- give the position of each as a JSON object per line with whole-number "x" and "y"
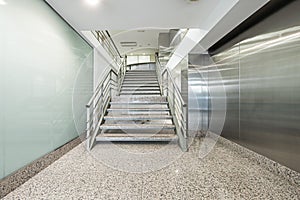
{"x": 159, "y": 75}
{"x": 177, "y": 105}
{"x": 121, "y": 76}
{"x": 98, "y": 104}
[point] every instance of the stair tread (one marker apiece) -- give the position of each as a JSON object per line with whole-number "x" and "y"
{"x": 136, "y": 72}
{"x": 139, "y": 82}
{"x": 138, "y": 109}
{"x": 140, "y": 92}
{"x": 136, "y": 117}
{"x": 138, "y": 89}
{"x": 104, "y": 138}
{"x": 139, "y": 126}
{"x": 135, "y": 135}
{"x": 140, "y": 75}
{"x": 138, "y": 103}
{"x": 139, "y": 98}
{"x": 139, "y": 85}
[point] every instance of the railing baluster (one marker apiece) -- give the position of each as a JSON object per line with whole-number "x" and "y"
{"x": 177, "y": 105}
{"x": 88, "y": 131}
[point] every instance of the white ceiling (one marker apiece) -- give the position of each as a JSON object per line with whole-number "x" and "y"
{"x": 146, "y": 39}
{"x": 218, "y": 16}
{"x": 134, "y": 14}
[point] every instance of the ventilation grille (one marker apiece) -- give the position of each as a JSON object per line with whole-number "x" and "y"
{"x": 128, "y": 44}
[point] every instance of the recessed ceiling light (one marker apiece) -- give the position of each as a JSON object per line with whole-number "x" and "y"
{"x": 92, "y": 2}
{"x": 2, "y": 2}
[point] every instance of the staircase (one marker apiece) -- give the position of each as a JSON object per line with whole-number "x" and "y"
{"x": 139, "y": 113}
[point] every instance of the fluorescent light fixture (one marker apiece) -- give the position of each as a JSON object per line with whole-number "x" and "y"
{"x": 2, "y": 2}
{"x": 91, "y": 2}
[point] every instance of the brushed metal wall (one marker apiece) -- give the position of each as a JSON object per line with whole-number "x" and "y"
{"x": 262, "y": 80}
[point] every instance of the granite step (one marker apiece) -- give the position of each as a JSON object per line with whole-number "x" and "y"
{"x": 137, "y": 117}
{"x": 137, "y": 126}
{"x": 149, "y": 92}
{"x": 126, "y": 103}
{"x": 136, "y": 138}
{"x": 140, "y": 88}
{"x": 140, "y": 85}
{"x": 140, "y": 79}
{"x": 141, "y": 76}
{"x": 139, "y": 82}
{"x": 136, "y": 98}
{"x": 146, "y": 109}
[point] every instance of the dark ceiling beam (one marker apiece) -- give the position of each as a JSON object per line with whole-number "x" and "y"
{"x": 267, "y": 10}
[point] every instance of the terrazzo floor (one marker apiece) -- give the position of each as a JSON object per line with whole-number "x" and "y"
{"x": 155, "y": 171}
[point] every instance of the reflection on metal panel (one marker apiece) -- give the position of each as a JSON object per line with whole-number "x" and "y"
{"x": 263, "y": 95}
{"x": 207, "y": 97}
{"x": 198, "y": 101}
{"x": 229, "y": 69}
{"x": 198, "y": 98}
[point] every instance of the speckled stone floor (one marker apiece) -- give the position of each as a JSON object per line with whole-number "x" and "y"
{"x": 155, "y": 171}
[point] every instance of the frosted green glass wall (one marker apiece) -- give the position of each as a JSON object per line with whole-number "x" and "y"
{"x": 45, "y": 80}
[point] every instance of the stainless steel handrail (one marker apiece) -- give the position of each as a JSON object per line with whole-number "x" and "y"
{"x": 159, "y": 75}
{"x": 98, "y": 104}
{"x": 111, "y": 82}
{"x": 108, "y": 44}
{"x": 176, "y": 102}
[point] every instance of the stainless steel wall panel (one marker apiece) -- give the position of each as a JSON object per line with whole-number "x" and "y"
{"x": 262, "y": 80}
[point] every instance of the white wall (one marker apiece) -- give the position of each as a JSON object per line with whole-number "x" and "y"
{"x": 100, "y": 66}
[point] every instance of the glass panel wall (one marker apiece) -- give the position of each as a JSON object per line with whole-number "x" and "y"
{"x": 45, "y": 80}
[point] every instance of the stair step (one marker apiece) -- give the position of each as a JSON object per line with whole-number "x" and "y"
{"x": 141, "y": 75}
{"x": 137, "y": 98}
{"x": 144, "y": 81}
{"x": 139, "y": 103}
{"x": 140, "y": 79}
{"x": 137, "y": 117}
{"x": 139, "y": 94}
{"x": 137, "y": 126}
{"x": 141, "y": 70}
{"x": 138, "y": 109}
{"x": 140, "y": 89}
{"x": 152, "y": 73}
{"x": 139, "y": 85}
{"x": 136, "y": 138}
{"x": 149, "y": 92}
{"x": 141, "y": 113}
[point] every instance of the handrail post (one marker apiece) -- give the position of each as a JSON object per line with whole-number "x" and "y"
{"x": 184, "y": 113}
{"x": 167, "y": 85}
{"x": 101, "y": 100}
{"x": 88, "y": 130}
{"x": 110, "y": 80}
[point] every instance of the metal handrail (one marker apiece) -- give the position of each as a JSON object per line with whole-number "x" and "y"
{"x": 159, "y": 75}
{"x": 99, "y": 86}
{"x": 98, "y": 104}
{"x": 175, "y": 86}
{"x": 177, "y": 104}
{"x": 112, "y": 79}
{"x": 108, "y": 44}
